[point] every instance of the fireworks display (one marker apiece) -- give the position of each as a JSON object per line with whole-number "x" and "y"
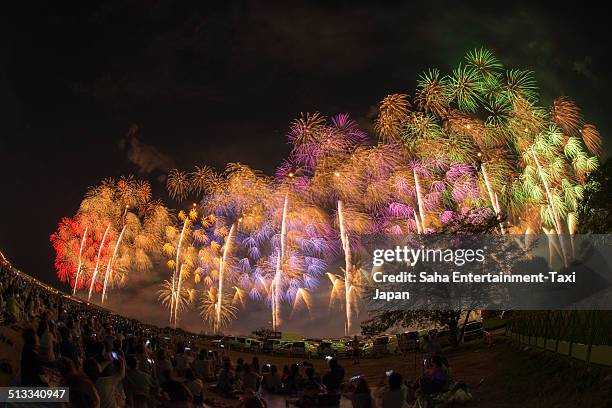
{"x": 117, "y": 230}
{"x": 472, "y": 146}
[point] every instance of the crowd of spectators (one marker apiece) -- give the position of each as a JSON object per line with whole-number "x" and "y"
{"x": 110, "y": 361}
{"x": 106, "y": 360}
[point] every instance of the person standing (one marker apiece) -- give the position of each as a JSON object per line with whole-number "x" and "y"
{"x": 355, "y": 348}
{"x": 47, "y": 341}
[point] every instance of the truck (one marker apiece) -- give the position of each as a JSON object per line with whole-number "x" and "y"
{"x": 473, "y": 330}
{"x": 385, "y": 345}
{"x": 408, "y": 341}
{"x": 229, "y": 342}
{"x": 248, "y": 344}
{"x": 272, "y": 346}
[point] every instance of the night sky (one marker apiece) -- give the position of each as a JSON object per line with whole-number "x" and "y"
{"x": 210, "y": 83}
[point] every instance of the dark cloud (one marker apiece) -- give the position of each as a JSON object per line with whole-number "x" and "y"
{"x": 147, "y": 158}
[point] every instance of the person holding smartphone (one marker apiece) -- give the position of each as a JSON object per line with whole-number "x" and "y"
{"x": 138, "y": 383}
{"x": 358, "y": 392}
{"x": 332, "y": 380}
{"x": 108, "y": 385}
{"x": 435, "y": 379}
{"x": 392, "y": 394}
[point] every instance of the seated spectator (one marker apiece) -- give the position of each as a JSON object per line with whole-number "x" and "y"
{"x": 332, "y": 380}
{"x": 138, "y": 384}
{"x": 74, "y": 326}
{"x": 31, "y": 363}
{"x": 29, "y": 307}
{"x": 67, "y": 347}
{"x": 66, "y": 368}
{"x": 271, "y": 380}
{"x": 83, "y": 393}
{"x": 435, "y": 379}
{"x": 393, "y": 394}
{"x": 46, "y": 348}
{"x": 13, "y": 305}
{"x": 143, "y": 359}
{"x": 217, "y": 361}
{"x": 312, "y": 380}
{"x": 176, "y": 395}
{"x": 251, "y": 400}
{"x": 117, "y": 346}
{"x": 309, "y": 399}
{"x": 250, "y": 379}
{"x": 195, "y": 386}
{"x": 182, "y": 359}
{"x": 293, "y": 381}
{"x": 202, "y": 366}
{"x": 162, "y": 364}
{"x": 109, "y": 387}
{"x": 102, "y": 357}
{"x": 225, "y": 379}
{"x": 358, "y": 392}
{"x": 107, "y": 335}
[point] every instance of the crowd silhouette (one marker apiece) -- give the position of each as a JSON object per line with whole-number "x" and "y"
{"x": 111, "y": 361}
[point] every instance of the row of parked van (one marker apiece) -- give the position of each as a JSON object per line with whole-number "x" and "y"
{"x": 269, "y": 346}
{"x": 379, "y": 345}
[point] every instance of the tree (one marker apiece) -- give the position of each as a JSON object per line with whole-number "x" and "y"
{"x": 262, "y": 333}
{"x": 468, "y": 230}
{"x": 405, "y": 318}
{"x": 595, "y": 209}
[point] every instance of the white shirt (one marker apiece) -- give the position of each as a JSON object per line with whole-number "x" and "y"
{"x": 108, "y": 389}
{"x": 138, "y": 382}
{"x": 46, "y": 346}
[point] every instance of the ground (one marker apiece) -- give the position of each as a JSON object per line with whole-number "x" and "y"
{"x": 503, "y": 376}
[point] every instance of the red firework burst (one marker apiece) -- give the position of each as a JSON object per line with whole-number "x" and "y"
{"x": 67, "y": 240}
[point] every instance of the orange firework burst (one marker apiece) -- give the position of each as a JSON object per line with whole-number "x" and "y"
{"x": 566, "y": 114}
{"x": 306, "y": 128}
{"x": 142, "y": 192}
{"x": 203, "y": 179}
{"x": 178, "y": 184}
{"x": 393, "y": 114}
{"x": 592, "y": 139}
{"x": 431, "y": 95}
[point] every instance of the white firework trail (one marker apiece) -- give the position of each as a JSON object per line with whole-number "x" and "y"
{"x": 277, "y": 276}
{"x": 346, "y": 246}
{"x": 222, "y": 264}
{"x": 95, "y": 274}
{"x": 176, "y": 270}
{"x": 78, "y": 273}
{"x": 557, "y": 221}
{"x": 111, "y": 261}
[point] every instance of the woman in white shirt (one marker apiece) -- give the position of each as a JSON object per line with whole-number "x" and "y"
{"x": 196, "y": 386}
{"x": 109, "y": 387}
{"x": 47, "y": 341}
